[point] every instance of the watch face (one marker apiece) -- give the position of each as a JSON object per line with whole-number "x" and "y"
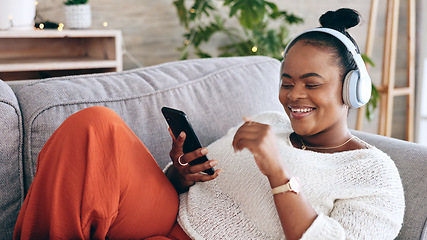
{"x": 294, "y": 184}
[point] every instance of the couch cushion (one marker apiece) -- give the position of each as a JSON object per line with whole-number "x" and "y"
{"x": 11, "y": 176}
{"x": 411, "y": 161}
{"x": 215, "y": 94}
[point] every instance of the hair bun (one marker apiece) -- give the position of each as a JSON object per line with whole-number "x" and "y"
{"x": 341, "y": 19}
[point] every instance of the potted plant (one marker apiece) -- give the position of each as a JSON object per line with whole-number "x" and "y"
{"x": 77, "y": 14}
{"x": 256, "y": 33}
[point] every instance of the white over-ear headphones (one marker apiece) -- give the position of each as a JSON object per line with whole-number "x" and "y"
{"x": 357, "y": 86}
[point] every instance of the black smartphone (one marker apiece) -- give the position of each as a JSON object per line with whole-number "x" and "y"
{"x": 178, "y": 122}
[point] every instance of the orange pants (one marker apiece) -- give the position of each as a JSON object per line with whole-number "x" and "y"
{"x": 95, "y": 180}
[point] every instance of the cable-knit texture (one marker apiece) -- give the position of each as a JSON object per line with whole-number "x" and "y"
{"x": 357, "y": 194}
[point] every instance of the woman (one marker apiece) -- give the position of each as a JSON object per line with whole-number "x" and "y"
{"x": 114, "y": 189}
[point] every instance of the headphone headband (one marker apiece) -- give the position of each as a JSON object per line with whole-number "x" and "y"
{"x": 365, "y": 80}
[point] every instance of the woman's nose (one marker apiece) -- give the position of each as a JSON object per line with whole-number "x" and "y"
{"x": 297, "y": 92}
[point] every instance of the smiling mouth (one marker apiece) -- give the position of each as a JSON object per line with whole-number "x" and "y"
{"x": 300, "y": 112}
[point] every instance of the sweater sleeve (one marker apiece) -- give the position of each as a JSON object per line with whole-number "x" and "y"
{"x": 374, "y": 212}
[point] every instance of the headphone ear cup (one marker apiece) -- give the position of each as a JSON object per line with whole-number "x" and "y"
{"x": 349, "y": 90}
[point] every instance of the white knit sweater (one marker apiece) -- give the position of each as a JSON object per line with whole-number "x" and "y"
{"x": 357, "y": 194}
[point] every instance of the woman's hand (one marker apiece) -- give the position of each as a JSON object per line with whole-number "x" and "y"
{"x": 261, "y": 141}
{"x": 184, "y": 175}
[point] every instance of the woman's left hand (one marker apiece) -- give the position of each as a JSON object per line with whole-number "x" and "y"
{"x": 261, "y": 141}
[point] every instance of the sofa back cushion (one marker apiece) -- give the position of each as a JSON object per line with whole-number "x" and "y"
{"x": 11, "y": 179}
{"x": 215, "y": 94}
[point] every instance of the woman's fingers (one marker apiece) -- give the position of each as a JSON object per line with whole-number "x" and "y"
{"x": 184, "y": 159}
{"x": 261, "y": 141}
{"x": 171, "y": 133}
{"x": 201, "y": 177}
{"x": 188, "y": 157}
{"x": 177, "y": 146}
{"x": 195, "y": 173}
{"x": 249, "y": 135}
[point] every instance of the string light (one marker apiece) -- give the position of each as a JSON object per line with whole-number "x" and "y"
{"x": 60, "y": 27}
{"x": 41, "y": 26}
{"x": 254, "y": 49}
{"x": 192, "y": 10}
{"x": 105, "y": 24}
{"x": 36, "y": 3}
{"x": 186, "y": 42}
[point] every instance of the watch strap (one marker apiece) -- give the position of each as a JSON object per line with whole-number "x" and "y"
{"x": 281, "y": 189}
{"x": 287, "y": 187}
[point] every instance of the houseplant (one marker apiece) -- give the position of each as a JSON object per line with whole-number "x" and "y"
{"x": 262, "y": 28}
{"x": 77, "y": 14}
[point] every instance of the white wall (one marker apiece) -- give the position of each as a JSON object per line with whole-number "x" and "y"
{"x": 421, "y": 86}
{"x": 422, "y": 118}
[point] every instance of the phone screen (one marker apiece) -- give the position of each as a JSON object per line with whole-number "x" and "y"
{"x": 178, "y": 122}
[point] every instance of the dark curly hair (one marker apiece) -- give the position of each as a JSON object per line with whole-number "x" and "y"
{"x": 340, "y": 20}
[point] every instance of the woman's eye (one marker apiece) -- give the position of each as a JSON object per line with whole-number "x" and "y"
{"x": 312, "y": 85}
{"x": 287, "y": 86}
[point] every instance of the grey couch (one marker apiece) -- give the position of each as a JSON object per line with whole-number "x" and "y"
{"x": 215, "y": 94}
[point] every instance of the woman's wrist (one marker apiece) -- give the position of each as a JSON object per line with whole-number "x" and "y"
{"x": 279, "y": 178}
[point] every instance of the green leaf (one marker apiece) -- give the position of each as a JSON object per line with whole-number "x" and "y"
{"x": 367, "y": 60}
{"x": 375, "y": 95}
{"x": 291, "y": 18}
{"x": 201, "y": 7}
{"x": 272, "y": 6}
{"x": 234, "y": 8}
{"x": 372, "y": 104}
{"x": 202, "y": 54}
{"x": 249, "y": 12}
{"x": 228, "y": 2}
{"x": 182, "y": 12}
{"x": 237, "y": 49}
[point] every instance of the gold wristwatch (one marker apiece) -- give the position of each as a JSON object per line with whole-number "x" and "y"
{"x": 292, "y": 185}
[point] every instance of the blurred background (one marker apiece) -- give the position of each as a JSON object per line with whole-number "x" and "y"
{"x": 152, "y": 34}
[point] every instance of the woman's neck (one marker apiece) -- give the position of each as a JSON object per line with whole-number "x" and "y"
{"x": 331, "y": 140}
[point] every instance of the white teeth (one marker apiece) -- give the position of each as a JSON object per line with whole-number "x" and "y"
{"x": 301, "y": 110}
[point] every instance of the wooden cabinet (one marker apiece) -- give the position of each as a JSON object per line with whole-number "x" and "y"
{"x": 50, "y": 53}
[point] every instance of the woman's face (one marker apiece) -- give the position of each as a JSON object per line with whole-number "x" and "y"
{"x": 311, "y": 91}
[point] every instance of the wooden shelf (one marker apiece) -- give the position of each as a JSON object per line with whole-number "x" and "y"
{"x": 44, "y": 64}
{"x": 38, "y": 54}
